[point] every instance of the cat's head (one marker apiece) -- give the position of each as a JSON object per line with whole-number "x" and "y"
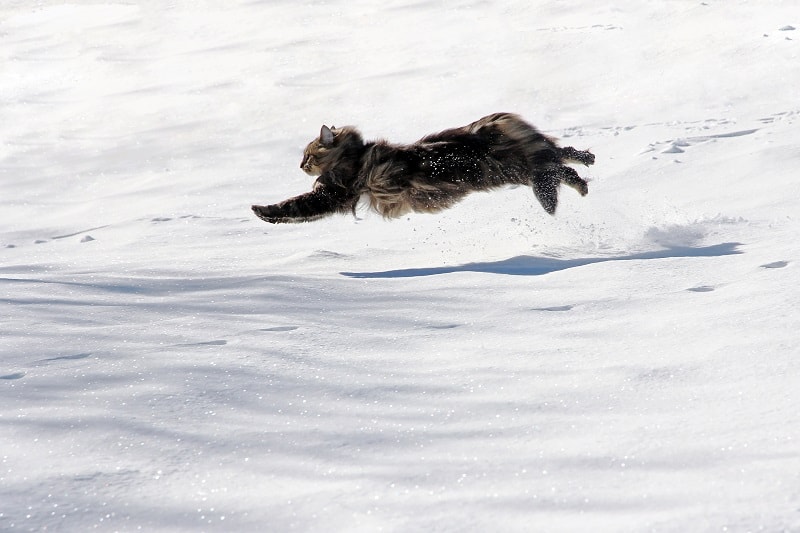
{"x": 325, "y": 151}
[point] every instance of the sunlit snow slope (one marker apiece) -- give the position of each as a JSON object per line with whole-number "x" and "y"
{"x": 168, "y": 362}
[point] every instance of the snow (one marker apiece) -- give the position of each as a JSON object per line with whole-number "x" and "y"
{"x": 168, "y": 362}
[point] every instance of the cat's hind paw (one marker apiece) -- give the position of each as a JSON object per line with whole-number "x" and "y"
{"x": 578, "y": 156}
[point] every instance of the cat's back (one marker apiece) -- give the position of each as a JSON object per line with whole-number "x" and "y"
{"x": 507, "y": 125}
{"x": 500, "y": 141}
{"x": 497, "y": 128}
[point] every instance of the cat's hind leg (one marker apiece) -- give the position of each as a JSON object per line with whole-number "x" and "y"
{"x": 570, "y": 154}
{"x": 545, "y": 184}
{"x": 569, "y": 176}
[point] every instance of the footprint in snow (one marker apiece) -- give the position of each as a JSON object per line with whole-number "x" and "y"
{"x": 777, "y": 117}
{"x": 15, "y": 375}
{"x": 280, "y": 328}
{"x": 776, "y": 264}
{"x": 678, "y": 146}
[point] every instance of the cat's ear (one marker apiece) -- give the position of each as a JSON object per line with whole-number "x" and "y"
{"x": 326, "y": 136}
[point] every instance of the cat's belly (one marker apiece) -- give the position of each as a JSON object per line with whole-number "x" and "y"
{"x": 396, "y": 189}
{"x": 417, "y": 197}
{"x": 389, "y": 204}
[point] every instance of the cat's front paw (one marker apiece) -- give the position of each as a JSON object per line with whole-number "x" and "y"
{"x": 267, "y": 213}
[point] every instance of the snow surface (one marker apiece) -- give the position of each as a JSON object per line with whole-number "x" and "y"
{"x": 171, "y": 363}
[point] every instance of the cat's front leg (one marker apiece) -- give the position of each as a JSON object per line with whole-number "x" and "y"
{"x": 320, "y": 202}
{"x": 273, "y": 214}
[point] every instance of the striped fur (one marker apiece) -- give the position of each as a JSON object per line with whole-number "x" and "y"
{"x": 432, "y": 174}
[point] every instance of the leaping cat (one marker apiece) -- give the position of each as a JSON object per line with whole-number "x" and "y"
{"x": 430, "y": 175}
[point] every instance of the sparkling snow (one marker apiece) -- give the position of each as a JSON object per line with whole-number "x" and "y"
{"x": 168, "y": 362}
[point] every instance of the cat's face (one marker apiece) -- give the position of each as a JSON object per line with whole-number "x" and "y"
{"x": 317, "y": 153}
{"x": 325, "y": 151}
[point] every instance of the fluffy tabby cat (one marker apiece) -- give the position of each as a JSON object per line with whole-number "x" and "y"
{"x": 430, "y": 175}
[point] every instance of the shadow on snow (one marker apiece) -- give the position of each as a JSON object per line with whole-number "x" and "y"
{"x": 526, "y": 265}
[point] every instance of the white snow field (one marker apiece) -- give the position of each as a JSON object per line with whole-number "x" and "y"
{"x": 168, "y": 362}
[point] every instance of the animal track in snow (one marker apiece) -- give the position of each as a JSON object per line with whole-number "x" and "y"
{"x": 280, "y": 328}
{"x": 789, "y": 116}
{"x": 696, "y": 131}
{"x": 15, "y": 375}
{"x": 677, "y": 146}
{"x": 776, "y": 264}
{"x": 85, "y": 238}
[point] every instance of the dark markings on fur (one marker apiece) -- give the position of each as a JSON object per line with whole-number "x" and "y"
{"x": 432, "y": 174}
